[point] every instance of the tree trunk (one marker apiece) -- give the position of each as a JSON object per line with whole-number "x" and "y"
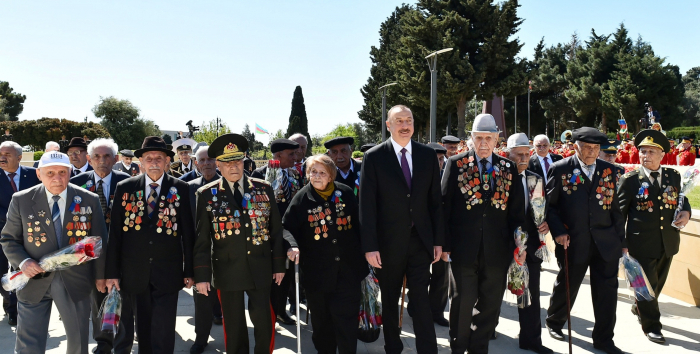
{"x": 461, "y": 117}
{"x": 604, "y": 123}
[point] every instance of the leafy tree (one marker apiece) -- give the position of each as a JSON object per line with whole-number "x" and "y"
{"x": 301, "y": 124}
{"x": 3, "y": 116}
{"x": 36, "y": 133}
{"x": 208, "y": 131}
{"x": 691, "y": 99}
{"x": 15, "y": 101}
{"x": 121, "y": 118}
{"x": 253, "y": 144}
{"x": 279, "y": 134}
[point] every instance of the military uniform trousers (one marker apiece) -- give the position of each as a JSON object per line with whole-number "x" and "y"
{"x": 156, "y": 311}
{"x": 205, "y": 309}
{"x": 235, "y": 328}
{"x": 280, "y": 293}
{"x": 603, "y": 291}
{"x": 334, "y": 317}
{"x": 476, "y": 281}
{"x": 33, "y": 320}
{"x": 656, "y": 270}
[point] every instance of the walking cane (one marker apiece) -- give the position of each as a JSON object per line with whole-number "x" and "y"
{"x": 296, "y": 280}
{"x": 403, "y": 294}
{"x": 568, "y": 299}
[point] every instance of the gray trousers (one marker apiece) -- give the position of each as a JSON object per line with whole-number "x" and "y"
{"x": 33, "y": 321}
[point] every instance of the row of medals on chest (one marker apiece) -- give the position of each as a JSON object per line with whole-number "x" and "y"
{"x": 36, "y": 228}
{"x": 320, "y": 218}
{"x": 470, "y": 186}
{"x": 604, "y": 191}
{"x": 232, "y": 223}
{"x": 166, "y": 216}
{"x": 669, "y": 198}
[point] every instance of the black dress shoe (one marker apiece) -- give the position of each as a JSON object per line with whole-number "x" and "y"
{"x": 608, "y": 348}
{"x": 493, "y": 336}
{"x": 12, "y": 320}
{"x": 197, "y": 348}
{"x": 656, "y": 337}
{"x": 218, "y": 321}
{"x": 285, "y": 319}
{"x": 442, "y": 322}
{"x": 555, "y": 333}
{"x": 540, "y": 349}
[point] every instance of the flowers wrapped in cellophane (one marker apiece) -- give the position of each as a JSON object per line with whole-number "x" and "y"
{"x": 274, "y": 176}
{"x": 636, "y": 279}
{"x": 688, "y": 183}
{"x": 111, "y": 311}
{"x": 518, "y": 274}
{"x": 537, "y": 203}
{"x": 370, "y": 317}
{"x": 85, "y": 250}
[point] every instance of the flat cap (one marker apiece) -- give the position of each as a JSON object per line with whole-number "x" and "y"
{"x": 127, "y": 153}
{"x": 589, "y": 135}
{"x": 450, "y": 139}
{"x": 439, "y": 149}
{"x": 282, "y": 144}
{"x": 338, "y": 141}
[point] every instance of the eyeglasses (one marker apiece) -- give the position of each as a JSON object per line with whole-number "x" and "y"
{"x": 75, "y": 152}
{"x": 542, "y": 146}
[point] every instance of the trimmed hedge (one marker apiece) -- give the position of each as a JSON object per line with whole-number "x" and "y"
{"x": 679, "y": 132}
{"x": 37, "y": 155}
{"x": 357, "y": 154}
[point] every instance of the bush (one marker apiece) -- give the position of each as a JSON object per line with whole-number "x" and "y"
{"x": 679, "y": 132}
{"x": 357, "y": 154}
{"x": 37, "y": 155}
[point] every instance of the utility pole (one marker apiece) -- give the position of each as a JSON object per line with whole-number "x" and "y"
{"x": 432, "y": 64}
{"x": 529, "y": 89}
{"x": 384, "y": 88}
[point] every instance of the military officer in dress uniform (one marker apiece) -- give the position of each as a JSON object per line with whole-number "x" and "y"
{"x": 686, "y": 153}
{"x": 149, "y": 257}
{"x": 483, "y": 200}
{"x": 648, "y": 200}
{"x": 608, "y": 152}
{"x": 285, "y": 151}
{"x": 183, "y": 149}
{"x": 239, "y": 246}
{"x": 340, "y": 151}
{"x": 126, "y": 165}
{"x": 592, "y": 231}
{"x": 103, "y": 182}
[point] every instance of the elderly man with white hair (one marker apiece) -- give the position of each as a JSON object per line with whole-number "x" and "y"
{"x": 50, "y": 146}
{"x": 40, "y": 221}
{"x": 542, "y": 159}
{"x": 102, "y": 180}
{"x": 14, "y": 178}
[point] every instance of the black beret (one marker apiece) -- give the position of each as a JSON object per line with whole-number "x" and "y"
{"x": 283, "y": 144}
{"x": 367, "y": 147}
{"x": 228, "y": 147}
{"x": 127, "y": 153}
{"x": 339, "y": 140}
{"x": 651, "y": 137}
{"x": 449, "y": 139}
{"x": 589, "y": 135}
{"x": 438, "y": 148}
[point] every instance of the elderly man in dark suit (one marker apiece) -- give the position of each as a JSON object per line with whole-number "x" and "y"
{"x": 349, "y": 171}
{"x": 126, "y": 165}
{"x": 542, "y": 160}
{"x": 149, "y": 257}
{"x": 584, "y": 217}
{"x": 102, "y": 180}
{"x": 484, "y": 205}
{"x": 41, "y": 220}
{"x": 14, "y": 178}
{"x": 207, "y": 309}
{"x": 77, "y": 151}
{"x": 648, "y": 197}
{"x": 402, "y": 225}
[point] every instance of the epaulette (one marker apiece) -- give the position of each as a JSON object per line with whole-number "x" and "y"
{"x": 208, "y": 186}
{"x": 258, "y": 180}
{"x": 174, "y": 164}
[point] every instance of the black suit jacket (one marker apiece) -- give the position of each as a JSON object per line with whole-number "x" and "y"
{"x": 82, "y": 179}
{"x": 388, "y": 207}
{"x": 140, "y": 257}
{"x": 195, "y": 184}
{"x": 352, "y": 176}
{"x": 132, "y": 170}
{"x": 487, "y": 222}
{"x": 649, "y": 231}
{"x": 27, "y": 179}
{"x": 580, "y": 214}
{"x": 88, "y": 169}
{"x": 535, "y": 166}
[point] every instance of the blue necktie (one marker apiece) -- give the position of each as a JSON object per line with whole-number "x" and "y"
{"x": 56, "y": 217}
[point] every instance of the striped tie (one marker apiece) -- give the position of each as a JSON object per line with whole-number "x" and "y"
{"x": 56, "y": 217}
{"x": 285, "y": 186}
{"x": 100, "y": 193}
{"x": 152, "y": 197}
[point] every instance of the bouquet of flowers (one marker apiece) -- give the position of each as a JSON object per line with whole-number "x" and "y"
{"x": 274, "y": 176}
{"x": 636, "y": 279}
{"x": 370, "y": 317}
{"x": 85, "y": 250}
{"x": 689, "y": 181}
{"x": 518, "y": 274}
{"x": 110, "y": 311}
{"x": 537, "y": 202}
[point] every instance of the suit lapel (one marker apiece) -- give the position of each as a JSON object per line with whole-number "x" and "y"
{"x": 41, "y": 206}
{"x": 538, "y": 166}
{"x": 391, "y": 156}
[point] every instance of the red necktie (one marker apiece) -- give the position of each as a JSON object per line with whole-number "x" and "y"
{"x": 12, "y": 181}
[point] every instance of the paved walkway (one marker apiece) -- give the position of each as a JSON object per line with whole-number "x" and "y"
{"x": 681, "y": 327}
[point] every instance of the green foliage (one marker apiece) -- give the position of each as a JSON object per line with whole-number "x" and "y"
{"x": 298, "y": 122}
{"x": 208, "y": 131}
{"x": 253, "y": 145}
{"x": 691, "y": 99}
{"x": 357, "y": 154}
{"x": 279, "y": 134}
{"x": 36, "y": 133}
{"x": 121, "y": 118}
{"x": 37, "y": 155}
{"x": 679, "y": 132}
{"x": 14, "y": 102}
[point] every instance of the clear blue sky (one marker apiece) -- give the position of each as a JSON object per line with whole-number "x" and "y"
{"x": 179, "y": 60}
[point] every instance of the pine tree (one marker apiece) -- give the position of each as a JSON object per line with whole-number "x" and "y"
{"x": 301, "y": 124}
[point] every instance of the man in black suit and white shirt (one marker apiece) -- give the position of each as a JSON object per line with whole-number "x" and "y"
{"x": 542, "y": 159}
{"x": 402, "y": 225}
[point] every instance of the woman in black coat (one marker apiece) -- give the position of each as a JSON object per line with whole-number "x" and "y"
{"x": 325, "y": 239}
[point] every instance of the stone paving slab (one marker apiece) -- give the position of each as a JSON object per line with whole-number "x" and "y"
{"x": 681, "y": 327}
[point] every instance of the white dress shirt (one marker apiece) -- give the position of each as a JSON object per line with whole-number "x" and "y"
{"x": 477, "y": 160}
{"x": 549, "y": 159}
{"x": 105, "y": 184}
{"x": 589, "y": 173}
{"x": 82, "y": 169}
{"x": 148, "y": 184}
{"x": 409, "y": 153}
{"x": 346, "y": 174}
{"x": 16, "y": 178}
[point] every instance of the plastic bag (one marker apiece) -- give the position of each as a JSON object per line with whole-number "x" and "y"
{"x": 636, "y": 279}
{"x": 111, "y": 311}
{"x": 370, "y": 317}
{"x": 518, "y": 274}
{"x": 537, "y": 204}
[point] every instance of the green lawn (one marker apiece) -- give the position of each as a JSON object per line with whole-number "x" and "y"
{"x": 694, "y": 197}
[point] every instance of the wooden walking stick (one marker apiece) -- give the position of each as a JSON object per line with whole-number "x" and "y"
{"x": 568, "y": 298}
{"x": 403, "y": 295}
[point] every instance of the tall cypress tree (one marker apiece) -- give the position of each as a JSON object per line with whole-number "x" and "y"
{"x": 301, "y": 123}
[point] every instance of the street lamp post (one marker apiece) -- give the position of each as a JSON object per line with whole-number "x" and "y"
{"x": 384, "y": 88}
{"x": 432, "y": 64}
